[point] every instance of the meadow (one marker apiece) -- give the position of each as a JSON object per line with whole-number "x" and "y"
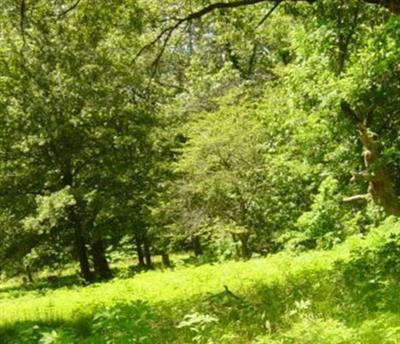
{"x": 316, "y": 297}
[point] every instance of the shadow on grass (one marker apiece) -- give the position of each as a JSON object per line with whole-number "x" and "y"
{"x": 131, "y": 322}
{"x": 42, "y": 284}
{"x": 53, "y": 282}
{"x": 240, "y": 314}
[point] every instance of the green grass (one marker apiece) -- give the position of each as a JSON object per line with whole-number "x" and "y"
{"x": 156, "y": 287}
{"x": 280, "y": 299}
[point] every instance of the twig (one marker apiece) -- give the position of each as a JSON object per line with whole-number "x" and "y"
{"x": 22, "y": 11}
{"x": 269, "y": 12}
{"x": 69, "y": 9}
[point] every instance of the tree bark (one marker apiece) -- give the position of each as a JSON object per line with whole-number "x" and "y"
{"x": 101, "y": 266}
{"x": 380, "y": 182}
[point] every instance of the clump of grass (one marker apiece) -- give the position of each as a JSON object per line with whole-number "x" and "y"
{"x": 82, "y": 326}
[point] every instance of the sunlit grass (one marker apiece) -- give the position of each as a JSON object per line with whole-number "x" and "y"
{"x": 283, "y": 298}
{"x": 169, "y": 286}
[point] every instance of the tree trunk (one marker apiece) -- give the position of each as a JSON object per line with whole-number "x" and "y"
{"x": 81, "y": 250}
{"x": 80, "y": 245}
{"x": 198, "y": 250}
{"x": 101, "y": 266}
{"x": 75, "y": 222}
{"x": 147, "y": 253}
{"x": 236, "y": 244}
{"x": 28, "y": 271}
{"x": 139, "y": 250}
{"x": 244, "y": 246}
{"x": 380, "y": 182}
{"x": 166, "y": 262}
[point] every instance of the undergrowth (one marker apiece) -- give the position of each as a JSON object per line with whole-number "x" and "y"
{"x": 347, "y": 295}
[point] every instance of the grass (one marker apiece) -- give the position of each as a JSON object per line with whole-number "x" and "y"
{"x": 279, "y": 299}
{"x": 154, "y": 287}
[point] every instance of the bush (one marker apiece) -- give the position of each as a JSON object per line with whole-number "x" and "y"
{"x": 372, "y": 272}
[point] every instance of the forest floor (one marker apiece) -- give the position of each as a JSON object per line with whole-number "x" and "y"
{"x": 283, "y": 298}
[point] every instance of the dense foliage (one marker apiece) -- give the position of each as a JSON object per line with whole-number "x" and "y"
{"x": 233, "y": 129}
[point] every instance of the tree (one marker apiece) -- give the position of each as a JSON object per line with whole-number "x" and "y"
{"x": 76, "y": 125}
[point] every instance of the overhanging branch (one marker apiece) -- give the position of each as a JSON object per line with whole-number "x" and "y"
{"x": 165, "y": 35}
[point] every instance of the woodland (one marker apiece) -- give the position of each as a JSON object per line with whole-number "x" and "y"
{"x": 200, "y": 171}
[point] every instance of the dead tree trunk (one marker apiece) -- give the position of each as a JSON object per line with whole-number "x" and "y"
{"x": 380, "y": 182}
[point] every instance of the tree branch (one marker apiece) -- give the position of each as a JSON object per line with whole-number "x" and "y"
{"x": 356, "y": 198}
{"x": 22, "y": 13}
{"x": 69, "y": 9}
{"x": 222, "y": 5}
{"x": 270, "y": 12}
{"x": 168, "y": 31}
{"x": 392, "y": 5}
{"x": 363, "y": 175}
{"x": 234, "y": 60}
{"x": 350, "y": 113}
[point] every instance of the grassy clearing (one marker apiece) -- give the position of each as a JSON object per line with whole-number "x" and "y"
{"x": 280, "y": 299}
{"x": 156, "y": 287}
